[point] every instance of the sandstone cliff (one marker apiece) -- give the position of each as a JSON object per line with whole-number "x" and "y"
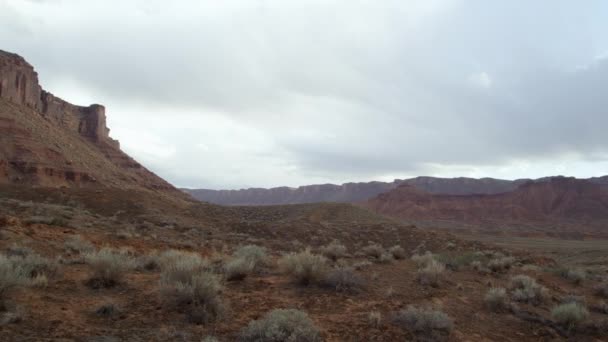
{"x": 46, "y": 141}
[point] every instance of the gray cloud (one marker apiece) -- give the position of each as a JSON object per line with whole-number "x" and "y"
{"x": 268, "y": 93}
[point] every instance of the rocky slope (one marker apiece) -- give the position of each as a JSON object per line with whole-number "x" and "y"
{"x": 46, "y": 141}
{"x": 555, "y": 199}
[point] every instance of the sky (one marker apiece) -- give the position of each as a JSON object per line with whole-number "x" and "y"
{"x": 262, "y": 93}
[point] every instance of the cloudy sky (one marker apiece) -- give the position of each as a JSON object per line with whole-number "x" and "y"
{"x": 231, "y": 94}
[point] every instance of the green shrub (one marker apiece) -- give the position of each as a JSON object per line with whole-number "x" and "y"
{"x": 428, "y": 323}
{"x": 281, "y": 325}
{"x": 334, "y": 250}
{"x": 109, "y": 266}
{"x": 431, "y": 274}
{"x": 570, "y": 314}
{"x": 496, "y": 299}
{"x": 304, "y": 267}
{"x": 577, "y": 275}
{"x": 526, "y": 289}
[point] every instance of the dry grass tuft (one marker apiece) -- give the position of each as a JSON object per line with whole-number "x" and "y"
{"x": 431, "y": 274}
{"x": 496, "y": 299}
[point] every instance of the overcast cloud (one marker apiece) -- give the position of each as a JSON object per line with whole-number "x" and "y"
{"x": 230, "y": 94}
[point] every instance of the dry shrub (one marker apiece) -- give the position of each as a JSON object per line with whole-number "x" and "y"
{"x": 530, "y": 268}
{"x": 183, "y": 259}
{"x": 526, "y": 289}
{"x": 198, "y": 293}
{"x": 424, "y": 259}
{"x": 386, "y": 258}
{"x": 28, "y": 270}
{"x": 431, "y": 274}
{"x": 496, "y": 299}
{"x": 109, "y": 266}
{"x": 107, "y": 310}
{"x": 238, "y": 269}
{"x": 501, "y": 264}
{"x": 575, "y": 275}
{"x": 254, "y": 255}
{"x": 77, "y": 244}
{"x": 375, "y": 319}
{"x": 281, "y": 325}
{"x": 334, "y": 250}
{"x": 373, "y": 250}
{"x": 148, "y": 262}
{"x": 569, "y": 315}
{"x": 361, "y": 265}
{"x": 397, "y": 252}
{"x": 11, "y": 275}
{"x": 304, "y": 267}
{"x": 344, "y": 279}
{"x": 601, "y": 289}
{"x": 425, "y": 323}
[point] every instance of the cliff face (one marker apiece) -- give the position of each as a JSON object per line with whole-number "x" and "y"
{"x": 554, "y": 199}
{"x": 19, "y": 85}
{"x": 46, "y": 141}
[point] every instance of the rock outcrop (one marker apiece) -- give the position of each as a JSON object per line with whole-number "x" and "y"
{"x": 46, "y": 141}
{"x": 19, "y": 84}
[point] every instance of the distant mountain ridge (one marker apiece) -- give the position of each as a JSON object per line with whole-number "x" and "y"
{"x": 358, "y": 192}
{"x": 558, "y": 199}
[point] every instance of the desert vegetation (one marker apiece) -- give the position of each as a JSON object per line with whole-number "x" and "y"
{"x": 305, "y": 268}
{"x": 426, "y": 323}
{"x": 108, "y": 266}
{"x": 526, "y": 289}
{"x": 281, "y": 325}
{"x": 186, "y": 285}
